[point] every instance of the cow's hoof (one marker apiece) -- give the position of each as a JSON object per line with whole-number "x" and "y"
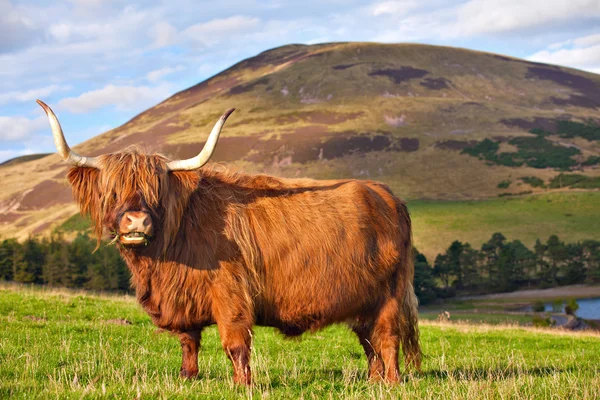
{"x": 188, "y": 374}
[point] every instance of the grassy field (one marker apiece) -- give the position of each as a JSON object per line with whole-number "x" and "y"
{"x": 573, "y": 216}
{"x": 60, "y": 344}
{"x": 478, "y": 316}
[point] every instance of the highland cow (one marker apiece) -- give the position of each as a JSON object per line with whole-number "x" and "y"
{"x": 207, "y": 245}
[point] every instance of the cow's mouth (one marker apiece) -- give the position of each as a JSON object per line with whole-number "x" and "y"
{"x": 134, "y": 239}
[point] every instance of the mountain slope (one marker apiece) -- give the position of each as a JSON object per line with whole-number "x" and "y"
{"x": 399, "y": 113}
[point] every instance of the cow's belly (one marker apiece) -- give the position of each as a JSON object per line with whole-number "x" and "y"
{"x": 297, "y": 307}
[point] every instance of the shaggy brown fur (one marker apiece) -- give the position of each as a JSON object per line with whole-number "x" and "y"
{"x": 240, "y": 250}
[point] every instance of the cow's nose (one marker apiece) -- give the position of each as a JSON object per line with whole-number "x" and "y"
{"x": 136, "y": 221}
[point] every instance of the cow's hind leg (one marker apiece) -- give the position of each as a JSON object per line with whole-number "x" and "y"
{"x": 386, "y": 335}
{"x": 237, "y": 340}
{"x": 376, "y": 369}
{"x": 190, "y": 343}
{"x": 380, "y": 339}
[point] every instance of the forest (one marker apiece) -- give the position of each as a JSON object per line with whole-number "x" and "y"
{"x": 499, "y": 266}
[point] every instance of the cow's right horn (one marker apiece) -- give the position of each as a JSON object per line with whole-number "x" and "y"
{"x": 61, "y": 144}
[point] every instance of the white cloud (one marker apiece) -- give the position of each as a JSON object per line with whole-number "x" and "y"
{"x": 582, "y": 52}
{"x": 396, "y": 8}
{"x": 220, "y": 29}
{"x": 589, "y": 40}
{"x": 158, "y": 74}
{"x": 163, "y": 34}
{"x": 17, "y": 28}
{"x": 17, "y": 128}
{"x": 88, "y": 3}
{"x": 502, "y": 16}
{"x": 31, "y": 94}
{"x": 579, "y": 57}
{"x": 121, "y": 97}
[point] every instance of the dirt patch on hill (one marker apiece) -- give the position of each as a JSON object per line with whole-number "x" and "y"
{"x": 7, "y": 218}
{"x": 576, "y": 100}
{"x": 42, "y": 228}
{"x": 401, "y": 74}
{"x": 151, "y": 139}
{"x": 408, "y": 144}
{"x": 46, "y": 194}
{"x": 468, "y": 105}
{"x": 229, "y": 149}
{"x": 302, "y": 145}
{"x": 344, "y": 66}
{"x": 274, "y": 57}
{"x": 547, "y": 124}
{"x": 589, "y": 89}
{"x": 310, "y": 147}
{"x": 248, "y": 86}
{"x": 317, "y": 117}
{"x": 455, "y": 144}
{"x": 435, "y": 83}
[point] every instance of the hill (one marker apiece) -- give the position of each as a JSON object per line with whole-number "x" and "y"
{"x": 435, "y": 123}
{"x": 69, "y": 344}
{"x": 22, "y": 159}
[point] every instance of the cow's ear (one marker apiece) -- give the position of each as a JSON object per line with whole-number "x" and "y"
{"x": 86, "y": 192}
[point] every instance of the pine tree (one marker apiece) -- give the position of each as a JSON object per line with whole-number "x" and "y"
{"x": 591, "y": 251}
{"x": 7, "y": 250}
{"x": 28, "y": 261}
{"x": 424, "y": 284}
{"x": 56, "y": 267}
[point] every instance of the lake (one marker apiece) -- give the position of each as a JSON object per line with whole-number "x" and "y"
{"x": 588, "y": 308}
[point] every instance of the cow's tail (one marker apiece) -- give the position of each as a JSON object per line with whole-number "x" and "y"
{"x": 409, "y": 318}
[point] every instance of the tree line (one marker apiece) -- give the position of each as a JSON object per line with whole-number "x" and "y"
{"x": 503, "y": 266}
{"x": 499, "y": 266}
{"x": 55, "y": 261}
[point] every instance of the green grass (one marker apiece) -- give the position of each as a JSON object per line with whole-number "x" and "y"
{"x": 58, "y": 344}
{"x": 76, "y": 223}
{"x": 481, "y": 317}
{"x": 572, "y": 216}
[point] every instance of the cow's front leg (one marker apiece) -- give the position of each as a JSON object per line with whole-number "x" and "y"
{"x": 190, "y": 344}
{"x": 237, "y": 340}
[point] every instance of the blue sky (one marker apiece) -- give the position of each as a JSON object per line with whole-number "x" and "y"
{"x": 98, "y": 63}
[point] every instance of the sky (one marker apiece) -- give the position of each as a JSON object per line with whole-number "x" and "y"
{"x": 98, "y": 63}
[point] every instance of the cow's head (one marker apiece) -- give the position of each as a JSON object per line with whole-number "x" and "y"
{"x": 135, "y": 196}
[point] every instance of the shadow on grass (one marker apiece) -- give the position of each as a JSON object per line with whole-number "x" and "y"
{"x": 330, "y": 378}
{"x": 496, "y": 372}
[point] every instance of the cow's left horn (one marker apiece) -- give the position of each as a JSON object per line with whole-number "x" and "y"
{"x": 61, "y": 144}
{"x": 207, "y": 150}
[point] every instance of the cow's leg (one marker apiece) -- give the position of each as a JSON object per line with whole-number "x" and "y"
{"x": 190, "y": 343}
{"x": 385, "y": 338}
{"x": 376, "y": 368}
{"x": 232, "y": 308}
{"x": 237, "y": 340}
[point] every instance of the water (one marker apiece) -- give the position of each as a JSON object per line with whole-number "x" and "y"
{"x": 588, "y": 308}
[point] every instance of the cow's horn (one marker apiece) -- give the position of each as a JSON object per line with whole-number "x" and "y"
{"x": 61, "y": 144}
{"x": 207, "y": 151}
